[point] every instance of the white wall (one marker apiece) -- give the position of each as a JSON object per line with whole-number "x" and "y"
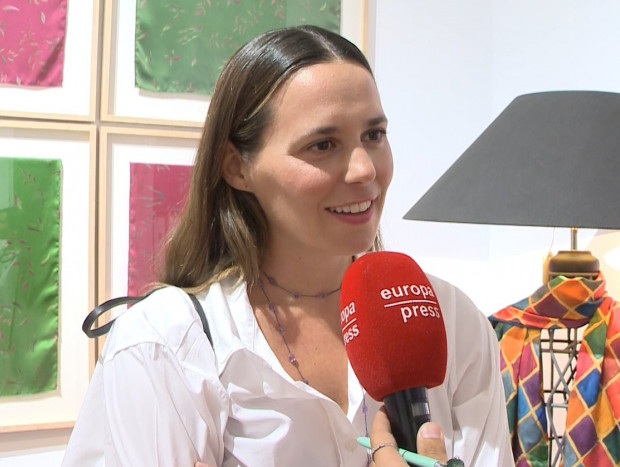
{"x": 33, "y": 448}
{"x": 445, "y": 70}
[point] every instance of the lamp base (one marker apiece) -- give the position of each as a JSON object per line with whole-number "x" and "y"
{"x": 573, "y": 263}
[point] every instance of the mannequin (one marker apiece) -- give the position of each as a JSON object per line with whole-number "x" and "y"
{"x": 559, "y": 349}
{"x": 557, "y": 352}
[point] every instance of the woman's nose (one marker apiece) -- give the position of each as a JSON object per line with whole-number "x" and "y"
{"x": 361, "y": 168}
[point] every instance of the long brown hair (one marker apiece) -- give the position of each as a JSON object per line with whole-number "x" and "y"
{"x": 222, "y": 232}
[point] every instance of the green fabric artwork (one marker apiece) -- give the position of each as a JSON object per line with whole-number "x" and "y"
{"x": 29, "y": 275}
{"x": 181, "y": 46}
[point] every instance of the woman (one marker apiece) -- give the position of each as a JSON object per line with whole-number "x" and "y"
{"x": 289, "y": 183}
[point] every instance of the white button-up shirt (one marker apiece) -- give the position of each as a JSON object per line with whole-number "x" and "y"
{"x": 161, "y": 395}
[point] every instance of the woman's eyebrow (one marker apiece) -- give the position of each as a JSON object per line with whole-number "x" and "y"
{"x": 329, "y": 129}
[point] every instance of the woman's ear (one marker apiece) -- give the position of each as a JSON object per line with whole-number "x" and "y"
{"x": 233, "y": 168}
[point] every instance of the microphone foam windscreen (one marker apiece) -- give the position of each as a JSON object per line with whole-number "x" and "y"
{"x": 392, "y": 325}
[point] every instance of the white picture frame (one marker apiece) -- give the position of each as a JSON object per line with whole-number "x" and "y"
{"x": 119, "y": 147}
{"x": 75, "y": 145}
{"x": 76, "y": 99}
{"x": 122, "y": 101}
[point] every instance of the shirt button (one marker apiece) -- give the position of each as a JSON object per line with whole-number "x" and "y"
{"x": 351, "y": 444}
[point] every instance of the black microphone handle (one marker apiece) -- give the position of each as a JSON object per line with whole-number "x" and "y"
{"x": 407, "y": 410}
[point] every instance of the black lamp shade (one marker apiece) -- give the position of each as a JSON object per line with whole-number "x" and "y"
{"x": 549, "y": 159}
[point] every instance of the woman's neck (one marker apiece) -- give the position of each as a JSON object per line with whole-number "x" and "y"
{"x": 306, "y": 276}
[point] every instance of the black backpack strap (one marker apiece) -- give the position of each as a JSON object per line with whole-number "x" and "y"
{"x": 114, "y": 302}
{"x": 203, "y": 317}
{"x": 100, "y": 310}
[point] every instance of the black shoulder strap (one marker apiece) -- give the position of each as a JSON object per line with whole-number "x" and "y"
{"x": 203, "y": 317}
{"x": 114, "y": 302}
{"x": 100, "y": 310}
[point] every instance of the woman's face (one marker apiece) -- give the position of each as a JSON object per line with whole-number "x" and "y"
{"x": 322, "y": 173}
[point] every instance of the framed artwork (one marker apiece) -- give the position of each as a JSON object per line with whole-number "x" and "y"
{"x": 47, "y": 228}
{"x": 75, "y": 99}
{"x": 143, "y": 180}
{"x": 122, "y": 101}
{"x": 183, "y": 47}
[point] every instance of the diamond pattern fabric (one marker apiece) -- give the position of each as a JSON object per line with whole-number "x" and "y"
{"x": 592, "y": 436}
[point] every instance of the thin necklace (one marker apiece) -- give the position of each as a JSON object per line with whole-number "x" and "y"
{"x": 365, "y": 412}
{"x": 272, "y": 308}
{"x": 322, "y": 295}
{"x": 291, "y": 357}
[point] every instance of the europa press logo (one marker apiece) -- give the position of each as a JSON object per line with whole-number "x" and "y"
{"x": 348, "y": 323}
{"x": 386, "y": 293}
{"x": 412, "y": 300}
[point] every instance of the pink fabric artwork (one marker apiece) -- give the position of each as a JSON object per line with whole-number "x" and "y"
{"x": 157, "y": 195}
{"x": 32, "y": 42}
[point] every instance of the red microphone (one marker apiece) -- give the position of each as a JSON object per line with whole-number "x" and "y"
{"x": 394, "y": 336}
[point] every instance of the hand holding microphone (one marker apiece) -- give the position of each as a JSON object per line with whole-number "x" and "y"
{"x": 431, "y": 445}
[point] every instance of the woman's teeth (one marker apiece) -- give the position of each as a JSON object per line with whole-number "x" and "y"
{"x": 352, "y": 208}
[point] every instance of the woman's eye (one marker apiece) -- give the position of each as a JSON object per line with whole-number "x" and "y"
{"x": 376, "y": 135}
{"x": 322, "y": 146}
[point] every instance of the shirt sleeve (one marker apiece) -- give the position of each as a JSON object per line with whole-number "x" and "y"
{"x": 158, "y": 413}
{"x": 156, "y": 389}
{"x": 478, "y": 408}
